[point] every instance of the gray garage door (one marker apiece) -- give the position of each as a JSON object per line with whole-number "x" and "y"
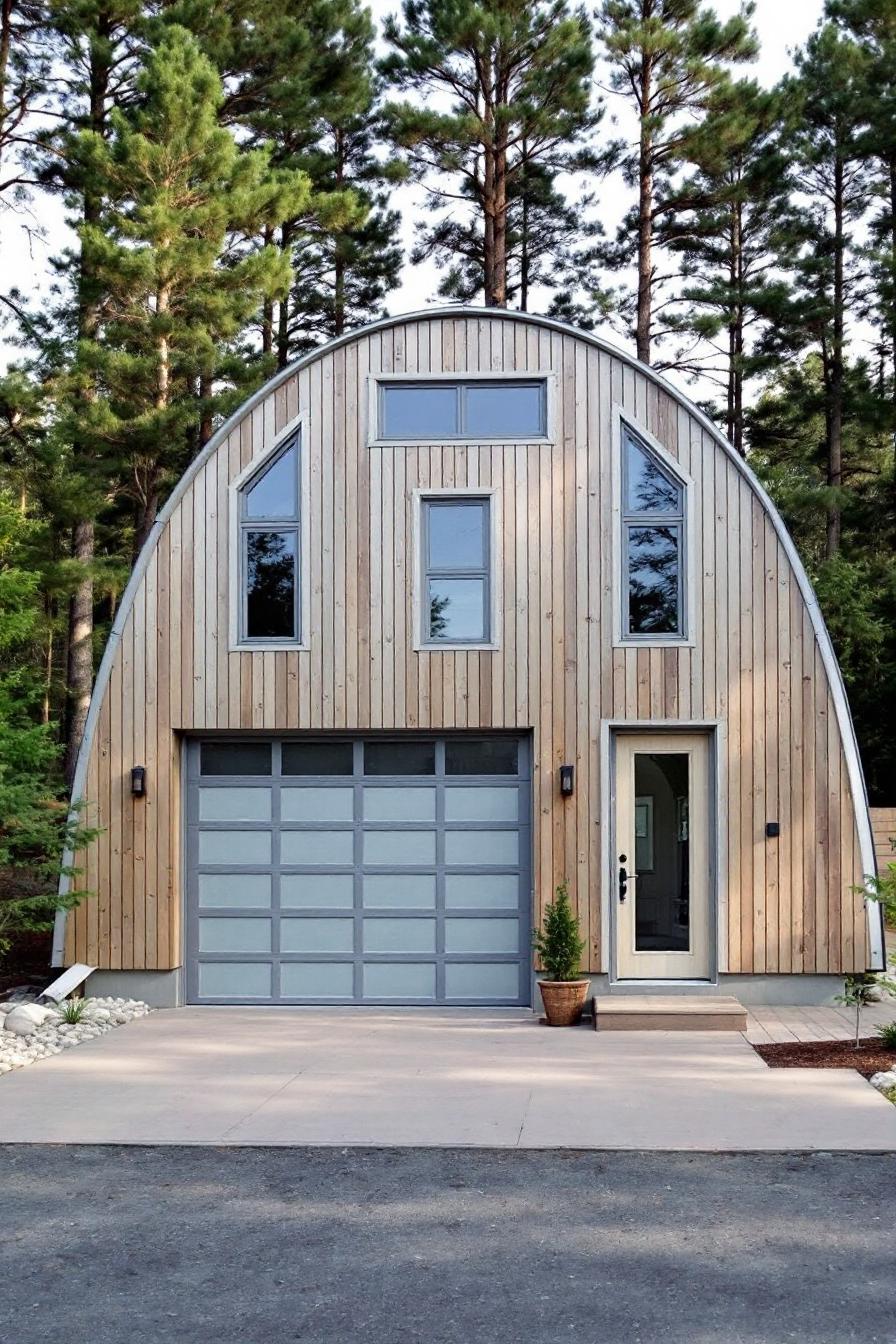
{"x": 346, "y": 870}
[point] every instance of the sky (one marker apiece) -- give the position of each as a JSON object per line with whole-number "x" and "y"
{"x": 30, "y": 237}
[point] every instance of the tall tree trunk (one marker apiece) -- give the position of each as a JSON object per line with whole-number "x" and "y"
{"x": 737, "y": 427}
{"x": 283, "y": 308}
{"x": 5, "y": 46}
{"x": 267, "y": 307}
{"x": 79, "y": 669}
{"x": 644, "y": 315}
{"x": 835, "y": 417}
{"x": 79, "y": 662}
{"x": 206, "y": 426}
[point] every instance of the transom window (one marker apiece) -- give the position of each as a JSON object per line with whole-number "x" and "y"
{"x": 456, "y": 564}
{"x": 269, "y": 551}
{"x": 463, "y": 410}
{"x": 653, "y": 520}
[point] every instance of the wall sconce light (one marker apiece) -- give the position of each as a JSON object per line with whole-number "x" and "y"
{"x": 567, "y": 780}
{"x": 138, "y": 781}
{"x": 772, "y": 829}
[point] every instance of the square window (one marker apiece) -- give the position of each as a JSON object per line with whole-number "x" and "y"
{"x": 458, "y": 534}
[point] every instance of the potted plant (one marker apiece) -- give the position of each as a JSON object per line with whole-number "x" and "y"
{"x": 559, "y": 946}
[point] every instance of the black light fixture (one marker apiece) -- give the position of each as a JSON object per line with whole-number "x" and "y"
{"x": 772, "y": 829}
{"x": 567, "y": 780}
{"x": 138, "y": 781}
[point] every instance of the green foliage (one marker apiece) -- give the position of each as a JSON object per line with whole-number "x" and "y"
{"x": 72, "y": 1010}
{"x": 858, "y": 992}
{"x": 887, "y": 1034}
{"x": 36, "y": 825}
{"x": 558, "y": 943}
{"x": 500, "y": 98}
{"x": 667, "y": 59}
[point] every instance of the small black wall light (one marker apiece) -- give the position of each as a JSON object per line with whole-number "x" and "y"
{"x": 138, "y": 781}
{"x": 772, "y": 829}
{"x": 567, "y": 780}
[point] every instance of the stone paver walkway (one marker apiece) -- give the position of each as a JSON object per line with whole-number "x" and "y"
{"x": 427, "y": 1078}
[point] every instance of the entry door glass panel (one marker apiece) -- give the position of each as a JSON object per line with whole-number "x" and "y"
{"x": 662, "y": 889}
{"x": 661, "y": 885}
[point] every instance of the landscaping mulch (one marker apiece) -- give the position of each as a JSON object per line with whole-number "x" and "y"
{"x": 870, "y": 1058}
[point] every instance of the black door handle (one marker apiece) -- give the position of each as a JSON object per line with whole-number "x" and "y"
{"x": 623, "y": 878}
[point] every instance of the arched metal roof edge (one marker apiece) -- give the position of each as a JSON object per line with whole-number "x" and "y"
{"x": 828, "y": 657}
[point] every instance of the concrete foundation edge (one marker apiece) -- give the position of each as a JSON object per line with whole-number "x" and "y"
{"x": 807, "y": 991}
{"x": 160, "y": 989}
{"x": 164, "y": 989}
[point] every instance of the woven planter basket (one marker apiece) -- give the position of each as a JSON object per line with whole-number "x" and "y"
{"x": 563, "y": 1001}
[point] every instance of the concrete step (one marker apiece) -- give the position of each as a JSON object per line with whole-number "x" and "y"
{"x": 668, "y": 1012}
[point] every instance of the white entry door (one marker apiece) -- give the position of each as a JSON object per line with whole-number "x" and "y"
{"x": 663, "y": 880}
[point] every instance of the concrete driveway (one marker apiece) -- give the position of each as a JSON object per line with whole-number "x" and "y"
{"x": 424, "y": 1078}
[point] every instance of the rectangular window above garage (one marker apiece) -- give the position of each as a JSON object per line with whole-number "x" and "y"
{"x": 472, "y": 409}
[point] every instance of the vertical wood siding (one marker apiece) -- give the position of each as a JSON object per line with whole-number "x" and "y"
{"x": 754, "y": 665}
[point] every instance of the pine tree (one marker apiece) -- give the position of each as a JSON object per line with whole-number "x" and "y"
{"x": 179, "y": 199}
{"x": 738, "y": 208}
{"x": 871, "y": 24}
{"x": 666, "y": 58}
{"x": 517, "y": 77}
{"x": 96, "y": 43}
{"x": 25, "y": 62}
{"x": 830, "y": 173}
{"x": 299, "y": 81}
{"x": 347, "y": 258}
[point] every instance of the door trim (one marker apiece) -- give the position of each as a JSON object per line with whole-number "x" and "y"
{"x": 717, "y": 839}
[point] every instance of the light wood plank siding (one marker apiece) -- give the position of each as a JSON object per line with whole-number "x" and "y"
{"x": 883, "y": 827}
{"x": 754, "y": 664}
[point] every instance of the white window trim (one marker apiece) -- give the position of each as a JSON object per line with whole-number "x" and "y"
{"x": 621, "y": 638}
{"x": 491, "y": 493}
{"x": 458, "y": 376}
{"x": 235, "y": 643}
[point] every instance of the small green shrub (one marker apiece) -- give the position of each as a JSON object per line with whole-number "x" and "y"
{"x": 890, "y": 1094}
{"x": 558, "y": 942}
{"x": 887, "y": 1034}
{"x": 73, "y": 1010}
{"x": 858, "y": 991}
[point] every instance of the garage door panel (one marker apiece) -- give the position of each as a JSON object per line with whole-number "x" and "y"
{"x": 229, "y": 934}
{"x": 482, "y": 891}
{"x": 317, "y": 935}
{"x": 311, "y": 847}
{"x": 399, "y": 804}
{"x": 346, "y": 870}
{"x": 399, "y": 980}
{"x": 221, "y": 891}
{"x": 316, "y": 804}
{"x": 484, "y": 804}
{"x": 235, "y": 848}
{"x": 482, "y": 935}
{"x": 235, "y": 804}
{"x": 235, "y": 980}
{"x": 316, "y": 979}
{"x": 399, "y": 848}
{"x": 481, "y": 980}
{"x": 395, "y": 891}
{"x": 399, "y": 935}
{"x": 317, "y": 891}
{"x": 482, "y": 847}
